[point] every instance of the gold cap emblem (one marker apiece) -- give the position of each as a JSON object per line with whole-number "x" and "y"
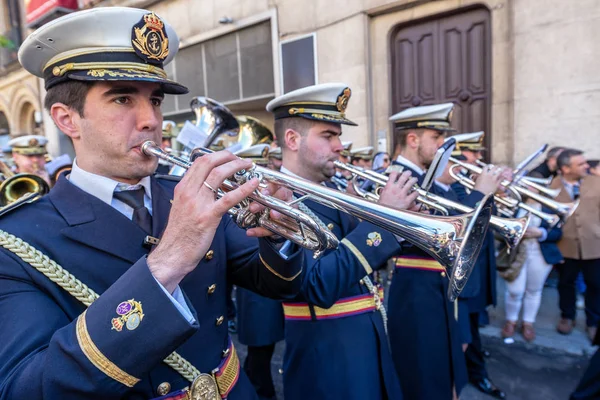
{"x": 33, "y": 142}
{"x": 149, "y": 39}
{"x": 342, "y": 100}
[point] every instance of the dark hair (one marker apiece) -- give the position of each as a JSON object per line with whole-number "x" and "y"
{"x": 402, "y": 134}
{"x": 299, "y": 124}
{"x": 593, "y": 163}
{"x": 70, "y": 93}
{"x": 564, "y": 158}
{"x": 554, "y": 151}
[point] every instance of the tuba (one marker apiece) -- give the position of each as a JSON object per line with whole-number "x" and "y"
{"x": 18, "y": 189}
{"x": 455, "y": 242}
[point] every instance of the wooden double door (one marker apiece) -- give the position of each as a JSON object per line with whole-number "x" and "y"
{"x": 446, "y": 59}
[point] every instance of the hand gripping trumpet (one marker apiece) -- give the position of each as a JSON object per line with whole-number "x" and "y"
{"x": 538, "y": 184}
{"x": 564, "y": 210}
{"x": 455, "y": 242}
{"x": 295, "y": 226}
{"x": 511, "y": 229}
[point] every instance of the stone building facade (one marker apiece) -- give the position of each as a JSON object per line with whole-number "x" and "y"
{"x": 522, "y": 70}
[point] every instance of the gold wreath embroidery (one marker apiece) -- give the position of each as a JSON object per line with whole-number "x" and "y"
{"x": 100, "y": 73}
{"x": 153, "y": 49}
{"x": 342, "y": 101}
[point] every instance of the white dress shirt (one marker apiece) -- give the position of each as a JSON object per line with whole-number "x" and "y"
{"x": 103, "y": 188}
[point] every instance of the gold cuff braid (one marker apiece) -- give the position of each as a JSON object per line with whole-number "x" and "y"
{"x": 97, "y": 358}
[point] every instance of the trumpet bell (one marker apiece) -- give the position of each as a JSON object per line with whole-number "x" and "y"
{"x": 465, "y": 260}
{"x": 513, "y": 229}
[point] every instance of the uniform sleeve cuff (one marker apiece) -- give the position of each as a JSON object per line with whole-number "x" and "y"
{"x": 119, "y": 331}
{"x": 272, "y": 258}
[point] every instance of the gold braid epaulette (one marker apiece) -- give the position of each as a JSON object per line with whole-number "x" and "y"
{"x": 77, "y": 289}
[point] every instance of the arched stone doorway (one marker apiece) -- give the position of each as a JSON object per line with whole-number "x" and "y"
{"x": 27, "y": 120}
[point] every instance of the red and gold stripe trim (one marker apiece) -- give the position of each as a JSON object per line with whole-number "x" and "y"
{"x": 347, "y": 307}
{"x": 228, "y": 372}
{"x": 427, "y": 264}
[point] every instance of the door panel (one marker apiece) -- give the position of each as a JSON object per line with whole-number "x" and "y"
{"x": 446, "y": 59}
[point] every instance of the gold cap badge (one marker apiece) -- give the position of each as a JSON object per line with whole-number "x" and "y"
{"x": 149, "y": 39}
{"x": 342, "y": 100}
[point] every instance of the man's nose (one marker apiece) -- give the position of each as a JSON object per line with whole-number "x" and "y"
{"x": 148, "y": 116}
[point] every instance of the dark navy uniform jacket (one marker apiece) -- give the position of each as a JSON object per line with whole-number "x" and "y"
{"x": 44, "y": 332}
{"x": 424, "y": 334}
{"x": 348, "y": 357}
{"x": 259, "y": 319}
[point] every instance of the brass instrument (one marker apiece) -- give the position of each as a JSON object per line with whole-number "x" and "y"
{"x": 564, "y": 210}
{"x": 511, "y": 229}
{"x": 296, "y": 227}
{"x": 250, "y": 133}
{"x": 529, "y": 182}
{"x": 538, "y": 184}
{"x": 542, "y": 181}
{"x": 17, "y": 189}
{"x": 214, "y": 118}
{"x": 340, "y": 182}
{"x": 455, "y": 241}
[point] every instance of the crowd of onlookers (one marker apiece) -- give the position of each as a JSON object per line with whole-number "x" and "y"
{"x": 571, "y": 250}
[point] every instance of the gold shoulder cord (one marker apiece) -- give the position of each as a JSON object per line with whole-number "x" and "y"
{"x": 78, "y": 289}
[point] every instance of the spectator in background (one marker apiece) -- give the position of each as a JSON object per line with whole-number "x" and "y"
{"x": 381, "y": 162}
{"x": 580, "y": 243}
{"x": 549, "y": 166}
{"x": 535, "y": 256}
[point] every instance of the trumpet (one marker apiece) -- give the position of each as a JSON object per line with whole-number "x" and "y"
{"x": 529, "y": 182}
{"x": 509, "y": 203}
{"x": 511, "y": 229}
{"x": 455, "y": 242}
{"x": 340, "y": 182}
{"x": 538, "y": 184}
{"x": 564, "y": 210}
{"x": 296, "y": 226}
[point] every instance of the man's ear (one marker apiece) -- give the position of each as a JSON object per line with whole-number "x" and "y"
{"x": 292, "y": 139}
{"x": 66, "y": 119}
{"x": 412, "y": 140}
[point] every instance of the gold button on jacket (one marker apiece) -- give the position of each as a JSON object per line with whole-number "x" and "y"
{"x": 211, "y": 289}
{"x": 163, "y": 388}
{"x": 219, "y": 320}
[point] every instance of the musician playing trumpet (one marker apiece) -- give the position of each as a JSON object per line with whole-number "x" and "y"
{"x": 130, "y": 300}
{"x": 336, "y": 344}
{"x": 425, "y": 338}
{"x": 29, "y": 155}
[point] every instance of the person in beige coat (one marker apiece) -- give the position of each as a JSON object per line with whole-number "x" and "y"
{"x": 580, "y": 243}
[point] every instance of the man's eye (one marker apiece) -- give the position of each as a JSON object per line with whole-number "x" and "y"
{"x": 157, "y": 102}
{"x": 122, "y": 100}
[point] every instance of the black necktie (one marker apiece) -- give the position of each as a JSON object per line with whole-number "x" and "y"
{"x": 135, "y": 200}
